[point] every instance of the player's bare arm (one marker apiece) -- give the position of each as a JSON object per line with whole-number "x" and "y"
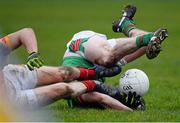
{"x": 24, "y": 37}
{"x": 133, "y": 56}
{"x": 104, "y": 100}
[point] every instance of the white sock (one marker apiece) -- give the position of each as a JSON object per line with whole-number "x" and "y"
{"x": 122, "y": 62}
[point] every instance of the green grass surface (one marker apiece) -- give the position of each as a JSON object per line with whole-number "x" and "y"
{"x": 55, "y": 21}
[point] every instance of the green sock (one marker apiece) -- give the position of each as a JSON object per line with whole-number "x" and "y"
{"x": 127, "y": 26}
{"x": 143, "y": 40}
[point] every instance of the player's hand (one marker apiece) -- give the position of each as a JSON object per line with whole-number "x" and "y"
{"x": 134, "y": 101}
{"x": 106, "y": 72}
{"x": 34, "y": 61}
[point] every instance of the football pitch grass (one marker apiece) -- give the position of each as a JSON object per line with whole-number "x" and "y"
{"x": 55, "y": 21}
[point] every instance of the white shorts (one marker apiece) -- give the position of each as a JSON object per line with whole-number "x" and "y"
{"x": 19, "y": 82}
{"x": 87, "y": 34}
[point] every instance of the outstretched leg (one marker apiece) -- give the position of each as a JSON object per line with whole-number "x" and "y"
{"x": 127, "y": 26}
{"x": 108, "y": 52}
{"x": 50, "y": 75}
{"x": 130, "y": 30}
{"x": 48, "y": 94}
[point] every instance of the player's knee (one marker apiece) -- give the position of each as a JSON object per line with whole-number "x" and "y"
{"x": 27, "y": 30}
{"x": 73, "y": 91}
{"x": 63, "y": 89}
{"x": 66, "y": 73}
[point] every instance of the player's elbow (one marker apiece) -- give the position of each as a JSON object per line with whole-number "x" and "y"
{"x": 27, "y": 30}
{"x": 67, "y": 73}
{"x": 24, "y": 34}
{"x": 62, "y": 90}
{"x": 65, "y": 90}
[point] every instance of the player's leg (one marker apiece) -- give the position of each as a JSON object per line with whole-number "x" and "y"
{"x": 48, "y": 75}
{"x": 103, "y": 99}
{"x": 48, "y": 94}
{"x": 98, "y": 52}
{"x": 20, "y": 83}
{"x": 21, "y": 76}
{"x": 126, "y": 24}
{"x": 129, "y": 29}
{"x": 106, "y": 53}
{"x": 45, "y": 95}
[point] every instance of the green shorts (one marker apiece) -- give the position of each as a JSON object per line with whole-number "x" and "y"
{"x": 74, "y": 61}
{"x": 79, "y": 62}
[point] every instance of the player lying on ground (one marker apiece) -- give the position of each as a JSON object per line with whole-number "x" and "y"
{"x": 88, "y": 47}
{"x": 19, "y": 84}
{"x": 43, "y": 86}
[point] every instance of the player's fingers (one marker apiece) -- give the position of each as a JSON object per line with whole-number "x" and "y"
{"x": 130, "y": 96}
{"x": 35, "y": 63}
{"x": 39, "y": 61}
{"x": 29, "y": 65}
{"x": 124, "y": 98}
{"x": 133, "y": 103}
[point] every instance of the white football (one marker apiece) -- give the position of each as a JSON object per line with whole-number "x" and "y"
{"x": 134, "y": 80}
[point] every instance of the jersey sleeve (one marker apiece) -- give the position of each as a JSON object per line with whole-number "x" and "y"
{"x": 5, "y": 49}
{"x": 6, "y": 41}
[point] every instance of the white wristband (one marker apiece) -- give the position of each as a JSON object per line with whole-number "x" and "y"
{"x": 122, "y": 62}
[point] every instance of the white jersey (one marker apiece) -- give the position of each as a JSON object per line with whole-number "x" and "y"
{"x": 4, "y": 51}
{"x": 87, "y": 34}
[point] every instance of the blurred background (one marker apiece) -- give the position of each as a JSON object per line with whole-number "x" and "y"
{"x": 55, "y": 22}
